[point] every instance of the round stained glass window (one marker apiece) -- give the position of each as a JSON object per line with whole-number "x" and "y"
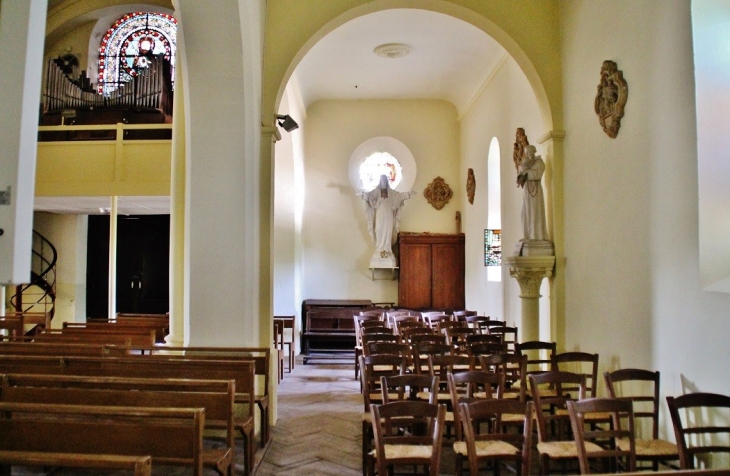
{"x": 377, "y": 164}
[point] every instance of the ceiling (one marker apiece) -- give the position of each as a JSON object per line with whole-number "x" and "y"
{"x": 448, "y": 59}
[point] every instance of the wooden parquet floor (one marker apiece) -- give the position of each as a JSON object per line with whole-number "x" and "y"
{"x": 319, "y": 428}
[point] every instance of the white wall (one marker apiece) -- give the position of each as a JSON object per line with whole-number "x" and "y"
{"x": 631, "y": 221}
{"x": 505, "y": 103}
{"x": 336, "y": 245}
{"x": 68, "y": 234}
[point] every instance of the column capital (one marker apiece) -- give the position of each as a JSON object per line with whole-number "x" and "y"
{"x": 271, "y": 132}
{"x": 551, "y": 136}
{"x": 529, "y": 272}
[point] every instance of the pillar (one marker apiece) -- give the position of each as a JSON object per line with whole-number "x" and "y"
{"x": 22, "y": 34}
{"x": 529, "y": 272}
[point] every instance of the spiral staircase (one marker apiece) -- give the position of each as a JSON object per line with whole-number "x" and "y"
{"x": 35, "y": 302}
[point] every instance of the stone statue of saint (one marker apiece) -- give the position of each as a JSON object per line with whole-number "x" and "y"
{"x": 383, "y": 216}
{"x": 529, "y": 175}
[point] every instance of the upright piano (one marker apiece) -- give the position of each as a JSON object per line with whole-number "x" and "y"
{"x": 328, "y": 327}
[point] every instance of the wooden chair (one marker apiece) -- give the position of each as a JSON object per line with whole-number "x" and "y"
{"x": 463, "y": 314}
{"x": 477, "y": 338}
{"x": 606, "y": 438}
{"x": 441, "y": 365}
{"x": 420, "y": 351}
{"x": 371, "y": 369}
{"x": 456, "y": 337}
{"x": 390, "y": 348}
{"x": 508, "y": 333}
{"x": 369, "y": 339}
{"x": 486, "y": 348}
{"x": 434, "y": 318}
{"x": 404, "y": 327}
{"x": 552, "y": 424}
{"x": 539, "y": 354}
{"x": 279, "y": 347}
{"x": 408, "y": 387}
{"x": 363, "y": 319}
{"x": 698, "y": 431}
{"x": 409, "y": 332}
{"x": 642, "y": 388}
{"x": 513, "y": 367}
{"x": 495, "y": 445}
{"x": 582, "y": 363}
{"x": 478, "y": 322}
{"x": 407, "y": 433}
{"x": 470, "y": 386}
{"x": 394, "y": 317}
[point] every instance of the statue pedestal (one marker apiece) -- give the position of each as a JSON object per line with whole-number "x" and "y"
{"x": 529, "y": 272}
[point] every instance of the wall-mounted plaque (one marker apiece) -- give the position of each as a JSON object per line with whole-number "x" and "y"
{"x": 471, "y": 185}
{"x": 611, "y": 98}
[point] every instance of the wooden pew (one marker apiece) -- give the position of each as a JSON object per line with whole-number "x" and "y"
{"x": 215, "y": 396}
{"x": 261, "y": 356}
{"x": 160, "y": 324}
{"x": 51, "y": 348}
{"x": 171, "y": 436}
{"x": 98, "y": 339}
{"x": 137, "y": 336}
{"x": 141, "y": 465}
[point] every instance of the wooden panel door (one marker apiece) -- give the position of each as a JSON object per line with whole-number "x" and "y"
{"x": 447, "y": 274}
{"x": 414, "y": 287}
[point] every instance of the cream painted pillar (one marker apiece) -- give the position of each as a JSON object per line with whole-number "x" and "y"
{"x": 113, "y": 212}
{"x": 178, "y": 323}
{"x": 22, "y": 34}
{"x": 222, "y": 178}
{"x": 529, "y": 272}
{"x": 269, "y": 135}
{"x": 554, "y": 173}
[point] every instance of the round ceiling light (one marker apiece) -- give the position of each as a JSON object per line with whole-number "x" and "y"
{"x": 392, "y": 50}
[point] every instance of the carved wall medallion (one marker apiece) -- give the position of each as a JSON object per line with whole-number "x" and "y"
{"x": 520, "y": 143}
{"x": 471, "y": 185}
{"x": 611, "y": 98}
{"x": 438, "y": 193}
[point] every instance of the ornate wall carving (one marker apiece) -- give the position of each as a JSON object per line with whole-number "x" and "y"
{"x": 611, "y": 98}
{"x": 438, "y": 193}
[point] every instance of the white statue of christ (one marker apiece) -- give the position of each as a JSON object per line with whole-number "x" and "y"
{"x": 383, "y": 216}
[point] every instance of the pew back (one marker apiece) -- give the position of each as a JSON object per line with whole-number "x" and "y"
{"x": 169, "y": 435}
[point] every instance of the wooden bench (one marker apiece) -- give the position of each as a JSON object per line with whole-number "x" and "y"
{"x": 171, "y": 436}
{"x": 52, "y": 348}
{"x": 241, "y": 371}
{"x": 98, "y": 339}
{"x": 261, "y": 356}
{"x": 137, "y": 336}
{"x": 215, "y": 396}
{"x": 141, "y": 465}
{"x": 161, "y": 325}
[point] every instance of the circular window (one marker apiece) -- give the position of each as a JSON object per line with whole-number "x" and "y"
{"x": 382, "y": 156}
{"x": 378, "y": 164}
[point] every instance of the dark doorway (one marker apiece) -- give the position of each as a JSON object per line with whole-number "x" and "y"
{"x": 143, "y": 257}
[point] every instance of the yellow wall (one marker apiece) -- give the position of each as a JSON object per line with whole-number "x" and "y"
{"x": 95, "y": 168}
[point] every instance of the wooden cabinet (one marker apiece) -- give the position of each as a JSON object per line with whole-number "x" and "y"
{"x": 431, "y": 271}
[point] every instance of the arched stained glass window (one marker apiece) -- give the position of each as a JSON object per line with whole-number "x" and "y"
{"x": 130, "y": 44}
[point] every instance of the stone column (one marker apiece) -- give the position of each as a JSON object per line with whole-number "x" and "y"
{"x": 529, "y": 272}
